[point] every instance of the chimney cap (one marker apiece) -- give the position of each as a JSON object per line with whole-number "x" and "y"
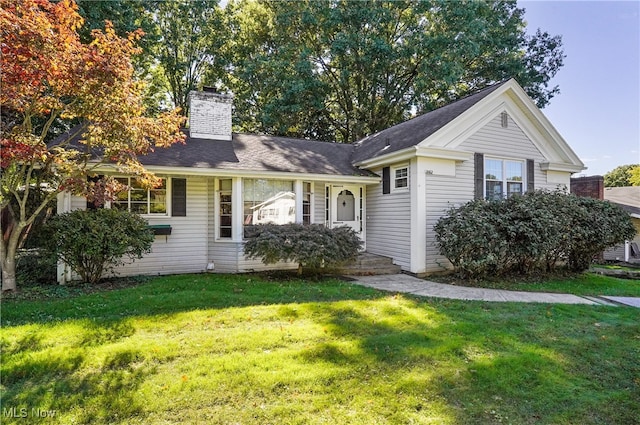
{"x": 209, "y": 89}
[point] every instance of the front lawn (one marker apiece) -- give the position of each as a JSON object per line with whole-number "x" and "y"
{"x": 589, "y": 284}
{"x": 208, "y": 349}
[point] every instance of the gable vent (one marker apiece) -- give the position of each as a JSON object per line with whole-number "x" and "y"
{"x": 505, "y": 119}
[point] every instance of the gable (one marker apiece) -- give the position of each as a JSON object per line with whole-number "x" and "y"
{"x": 527, "y": 128}
{"x": 410, "y": 133}
{"x": 509, "y": 142}
{"x": 441, "y": 133}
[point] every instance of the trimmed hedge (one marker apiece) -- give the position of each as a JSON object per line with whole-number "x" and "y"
{"x": 532, "y": 232}
{"x": 313, "y": 245}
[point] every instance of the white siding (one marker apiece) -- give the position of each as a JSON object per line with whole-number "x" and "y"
{"x": 256, "y": 265}
{"x": 78, "y": 203}
{"x": 509, "y": 142}
{"x": 389, "y": 224}
{"x": 224, "y": 256}
{"x": 615, "y": 253}
{"x": 319, "y": 199}
{"x": 443, "y": 193}
{"x": 185, "y": 249}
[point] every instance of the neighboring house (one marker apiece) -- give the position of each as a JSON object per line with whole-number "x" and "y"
{"x": 391, "y": 187}
{"x": 629, "y": 199}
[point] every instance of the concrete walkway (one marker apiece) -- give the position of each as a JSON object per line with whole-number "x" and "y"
{"x": 415, "y": 286}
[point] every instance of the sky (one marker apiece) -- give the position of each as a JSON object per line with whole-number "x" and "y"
{"x": 598, "y": 109}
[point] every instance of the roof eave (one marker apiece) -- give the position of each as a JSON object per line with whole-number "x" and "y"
{"x": 222, "y": 172}
{"x": 412, "y": 152}
{"x": 390, "y": 158}
{"x": 440, "y": 153}
{"x": 564, "y": 167}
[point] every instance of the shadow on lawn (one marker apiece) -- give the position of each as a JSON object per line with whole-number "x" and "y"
{"x": 176, "y": 294}
{"x": 492, "y": 369}
{"x": 60, "y": 383}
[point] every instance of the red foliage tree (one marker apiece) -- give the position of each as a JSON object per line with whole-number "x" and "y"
{"x": 47, "y": 75}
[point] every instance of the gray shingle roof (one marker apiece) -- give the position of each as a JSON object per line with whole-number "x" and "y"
{"x": 252, "y": 152}
{"x": 414, "y": 131}
{"x": 259, "y": 153}
{"x": 627, "y": 197}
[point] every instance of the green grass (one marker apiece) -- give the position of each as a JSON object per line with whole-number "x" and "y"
{"x": 589, "y": 284}
{"x": 206, "y": 349}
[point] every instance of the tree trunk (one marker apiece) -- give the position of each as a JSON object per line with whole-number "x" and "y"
{"x": 8, "y": 251}
{"x": 9, "y": 276}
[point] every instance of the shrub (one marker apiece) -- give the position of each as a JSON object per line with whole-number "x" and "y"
{"x": 312, "y": 245}
{"x": 36, "y": 266}
{"x": 534, "y": 231}
{"x": 93, "y": 242}
{"x": 596, "y": 226}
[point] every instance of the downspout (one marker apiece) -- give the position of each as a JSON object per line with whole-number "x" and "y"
{"x": 627, "y": 251}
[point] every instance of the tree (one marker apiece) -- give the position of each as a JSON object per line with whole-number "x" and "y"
{"x": 634, "y": 178}
{"x": 622, "y": 176}
{"x": 339, "y": 70}
{"x": 48, "y": 73}
{"x": 127, "y": 16}
{"x": 191, "y": 36}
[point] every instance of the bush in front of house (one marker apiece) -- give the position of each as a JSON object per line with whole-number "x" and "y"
{"x": 35, "y": 266}
{"x": 93, "y": 242}
{"x": 533, "y": 232}
{"x": 596, "y": 225}
{"x": 312, "y": 245}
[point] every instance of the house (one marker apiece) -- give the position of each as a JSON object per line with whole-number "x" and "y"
{"x": 391, "y": 187}
{"x": 628, "y": 198}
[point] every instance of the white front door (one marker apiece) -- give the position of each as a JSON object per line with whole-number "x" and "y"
{"x": 347, "y": 207}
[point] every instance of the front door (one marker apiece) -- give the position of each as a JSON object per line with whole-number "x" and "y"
{"x": 347, "y": 207}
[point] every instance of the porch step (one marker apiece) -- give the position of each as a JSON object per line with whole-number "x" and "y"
{"x": 370, "y": 264}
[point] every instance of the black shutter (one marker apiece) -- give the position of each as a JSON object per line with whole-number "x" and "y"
{"x": 386, "y": 180}
{"x": 178, "y": 197}
{"x": 530, "y": 176}
{"x": 478, "y": 171}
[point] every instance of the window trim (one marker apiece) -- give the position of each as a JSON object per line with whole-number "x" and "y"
{"x": 311, "y": 202}
{"x": 504, "y": 181}
{"x": 217, "y": 206}
{"x": 148, "y": 214}
{"x": 394, "y": 179}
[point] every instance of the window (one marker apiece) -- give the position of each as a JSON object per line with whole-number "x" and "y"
{"x": 346, "y": 206}
{"x": 307, "y": 198}
{"x": 140, "y": 200}
{"x": 400, "y": 178}
{"x": 503, "y": 178}
{"x": 225, "y": 209}
{"x": 269, "y": 201}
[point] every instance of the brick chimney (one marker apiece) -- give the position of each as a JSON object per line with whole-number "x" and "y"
{"x": 589, "y": 187}
{"x": 210, "y": 114}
